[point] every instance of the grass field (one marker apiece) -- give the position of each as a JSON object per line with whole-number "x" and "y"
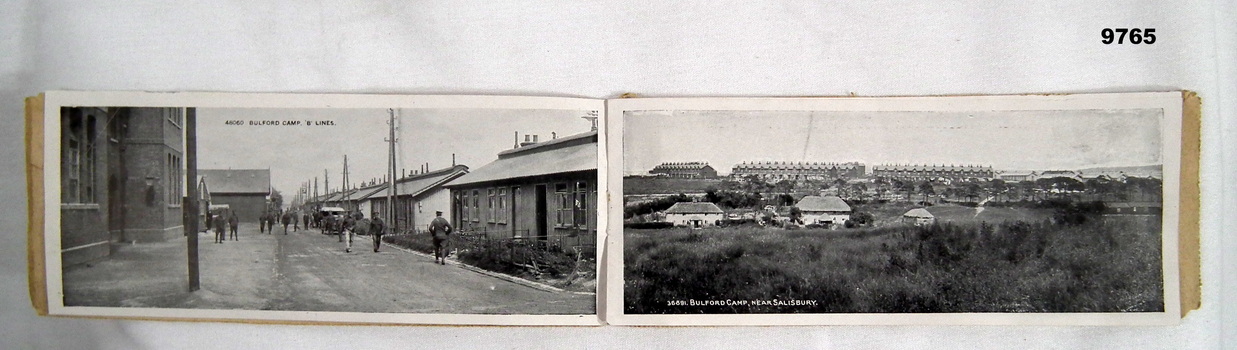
{"x": 666, "y": 185}
{"x": 891, "y": 213}
{"x": 1108, "y": 265}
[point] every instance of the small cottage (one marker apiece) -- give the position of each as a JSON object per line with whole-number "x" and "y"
{"x": 694, "y": 214}
{"x": 918, "y": 217}
{"x": 824, "y": 210}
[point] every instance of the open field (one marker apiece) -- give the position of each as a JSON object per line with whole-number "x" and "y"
{"x": 666, "y": 185}
{"x": 891, "y": 213}
{"x": 1109, "y": 264}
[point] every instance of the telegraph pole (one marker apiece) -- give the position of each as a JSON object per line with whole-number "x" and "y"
{"x": 390, "y": 210}
{"x": 347, "y": 196}
{"x": 192, "y": 196}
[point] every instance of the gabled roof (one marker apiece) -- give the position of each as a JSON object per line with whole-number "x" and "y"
{"x": 254, "y": 181}
{"x": 694, "y": 208}
{"x": 417, "y": 184}
{"x": 339, "y": 196}
{"x": 562, "y": 155}
{"x": 825, "y": 203}
{"x": 918, "y": 213}
{"x": 203, "y": 188}
{"x": 366, "y": 192}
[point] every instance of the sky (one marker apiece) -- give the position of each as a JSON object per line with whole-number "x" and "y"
{"x": 1005, "y": 140}
{"x": 297, "y": 154}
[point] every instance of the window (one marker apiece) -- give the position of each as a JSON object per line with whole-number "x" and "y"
{"x": 502, "y": 206}
{"x": 476, "y": 205}
{"x": 78, "y": 165}
{"x": 462, "y": 200}
{"x": 581, "y": 204}
{"x": 174, "y": 182}
{"x": 174, "y": 115}
{"x": 572, "y": 204}
{"x": 562, "y": 215}
{"x": 489, "y": 207}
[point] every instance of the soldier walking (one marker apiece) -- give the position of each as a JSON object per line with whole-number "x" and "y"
{"x": 217, "y": 221}
{"x": 285, "y": 219}
{"x": 233, "y": 224}
{"x": 376, "y": 227}
{"x": 440, "y": 230}
{"x": 262, "y": 221}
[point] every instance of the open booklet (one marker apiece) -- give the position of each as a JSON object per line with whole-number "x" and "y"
{"x": 513, "y": 210}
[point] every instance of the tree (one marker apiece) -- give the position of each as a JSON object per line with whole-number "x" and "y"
{"x": 926, "y": 189}
{"x": 796, "y": 215}
{"x": 998, "y": 187}
{"x": 276, "y": 200}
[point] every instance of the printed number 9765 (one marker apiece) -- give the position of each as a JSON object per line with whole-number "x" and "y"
{"x": 1136, "y": 35}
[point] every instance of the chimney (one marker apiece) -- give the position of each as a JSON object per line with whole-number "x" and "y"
{"x": 517, "y": 140}
{"x": 528, "y": 140}
{"x": 403, "y": 172}
{"x": 453, "y": 160}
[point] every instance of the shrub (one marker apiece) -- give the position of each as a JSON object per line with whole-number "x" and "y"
{"x": 648, "y": 225}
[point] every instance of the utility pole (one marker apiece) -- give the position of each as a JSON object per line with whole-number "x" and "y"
{"x": 326, "y": 182}
{"x": 192, "y": 196}
{"x": 347, "y": 196}
{"x": 390, "y": 210}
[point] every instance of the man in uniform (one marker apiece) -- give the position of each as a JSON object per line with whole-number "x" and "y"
{"x": 262, "y": 221}
{"x": 233, "y": 224}
{"x": 218, "y": 222}
{"x": 440, "y": 230}
{"x": 286, "y": 219}
{"x": 375, "y": 230}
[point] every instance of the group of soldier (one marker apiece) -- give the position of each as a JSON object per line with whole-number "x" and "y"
{"x": 345, "y": 225}
{"x": 220, "y": 223}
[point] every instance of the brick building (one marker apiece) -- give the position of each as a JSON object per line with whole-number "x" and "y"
{"x": 121, "y": 178}
{"x": 690, "y": 170}
{"x": 776, "y": 171}
{"x": 917, "y": 172}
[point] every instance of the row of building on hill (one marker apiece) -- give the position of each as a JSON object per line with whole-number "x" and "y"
{"x": 825, "y": 171}
{"x": 688, "y": 170}
{"x": 776, "y": 171}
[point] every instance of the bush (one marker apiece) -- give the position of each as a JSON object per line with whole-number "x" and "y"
{"x": 648, "y": 225}
{"x": 1110, "y": 265}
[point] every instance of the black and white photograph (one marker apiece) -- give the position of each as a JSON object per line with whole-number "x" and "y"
{"x": 433, "y": 206}
{"x": 918, "y": 207}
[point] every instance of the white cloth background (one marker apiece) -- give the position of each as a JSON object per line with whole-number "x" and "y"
{"x": 599, "y": 49}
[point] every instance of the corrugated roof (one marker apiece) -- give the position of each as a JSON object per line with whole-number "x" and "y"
{"x": 564, "y": 155}
{"x": 918, "y": 213}
{"x": 238, "y": 180}
{"x": 416, "y": 185}
{"x": 694, "y": 208}
{"x": 366, "y": 192}
{"x": 826, "y": 203}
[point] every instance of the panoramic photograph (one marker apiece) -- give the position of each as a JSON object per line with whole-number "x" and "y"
{"x": 985, "y": 211}
{"x": 378, "y": 210}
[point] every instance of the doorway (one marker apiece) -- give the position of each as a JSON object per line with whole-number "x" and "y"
{"x": 541, "y": 213}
